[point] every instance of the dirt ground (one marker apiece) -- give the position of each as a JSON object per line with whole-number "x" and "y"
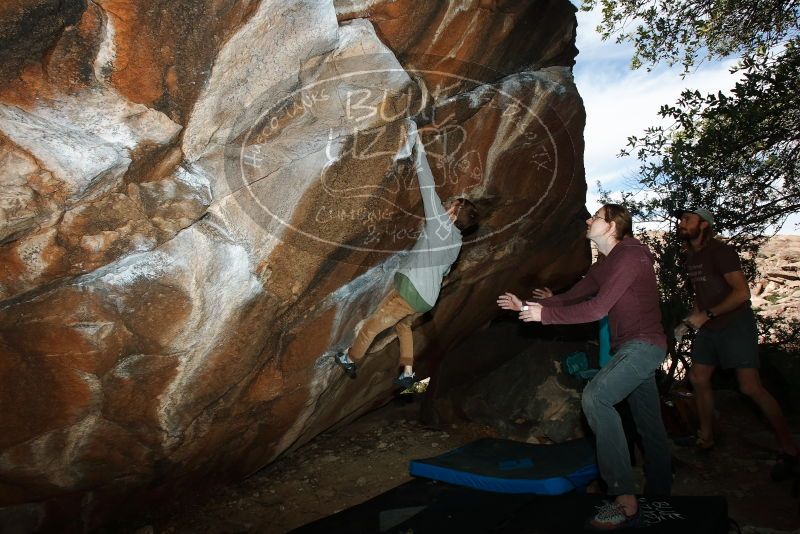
{"x": 343, "y": 468}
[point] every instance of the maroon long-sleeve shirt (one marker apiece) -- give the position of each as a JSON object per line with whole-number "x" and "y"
{"x": 623, "y": 286}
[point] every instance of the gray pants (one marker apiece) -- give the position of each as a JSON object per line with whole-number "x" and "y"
{"x": 630, "y": 374}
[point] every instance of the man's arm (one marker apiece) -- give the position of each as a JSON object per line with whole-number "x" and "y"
{"x": 739, "y": 294}
{"x": 619, "y": 279}
{"x": 583, "y": 288}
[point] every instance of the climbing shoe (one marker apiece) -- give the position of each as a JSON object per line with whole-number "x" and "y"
{"x": 344, "y": 362}
{"x": 404, "y": 382}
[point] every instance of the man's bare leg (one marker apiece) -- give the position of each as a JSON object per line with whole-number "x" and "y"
{"x": 700, "y": 377}
{"x": 750, "y": 384}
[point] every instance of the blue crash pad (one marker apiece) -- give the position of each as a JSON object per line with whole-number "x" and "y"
{"x": 507, "y": 466}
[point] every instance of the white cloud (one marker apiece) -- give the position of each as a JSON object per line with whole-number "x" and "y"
{"x": 792, "y": 225}
{"x": 591, "y": 44}
{"x": 621, "y": 102}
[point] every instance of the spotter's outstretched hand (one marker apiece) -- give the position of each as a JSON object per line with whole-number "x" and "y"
{"x": 531, "y": 312}
{"x": 509, "y": 301}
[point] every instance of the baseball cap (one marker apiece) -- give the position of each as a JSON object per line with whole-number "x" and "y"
{"x": 703, "y": 213}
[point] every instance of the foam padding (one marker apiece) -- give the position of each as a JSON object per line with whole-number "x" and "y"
{"x": 506, "y": 466}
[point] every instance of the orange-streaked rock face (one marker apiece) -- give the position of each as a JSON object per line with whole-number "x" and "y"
{"x": 459, "y": 38}
{"x": 201, "y": 201}
{"x": 163, "y": 51}
{"x": 28, "y": 30}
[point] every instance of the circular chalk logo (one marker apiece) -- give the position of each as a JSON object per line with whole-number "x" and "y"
{"x": 330, "y": 161}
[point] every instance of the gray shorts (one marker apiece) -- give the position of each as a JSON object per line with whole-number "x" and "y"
{"x": 733, "y": 347}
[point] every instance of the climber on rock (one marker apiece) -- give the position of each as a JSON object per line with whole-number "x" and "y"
{"x": 419, "y": 279}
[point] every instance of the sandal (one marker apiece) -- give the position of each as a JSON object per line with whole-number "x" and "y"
{"x": 703, "y": 444}
{"x": 611, "y": 516}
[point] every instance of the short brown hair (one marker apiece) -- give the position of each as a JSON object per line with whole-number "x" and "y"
{"x": 468, "y": 216}
{"x": 621, "y": 217}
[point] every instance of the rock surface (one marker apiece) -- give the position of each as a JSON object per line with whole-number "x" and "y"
{"x": 200, "y": 201}
{"x": 776, "y": 292}
{"x": 481, "y": 382}
{"x": 451, "y": 37}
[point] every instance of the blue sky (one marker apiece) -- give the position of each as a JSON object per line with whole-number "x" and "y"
{"x": 621, "y": 102}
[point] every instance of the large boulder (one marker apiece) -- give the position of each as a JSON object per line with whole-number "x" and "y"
{"x": 201, "y": 201}
{"x": 519, "y": 386}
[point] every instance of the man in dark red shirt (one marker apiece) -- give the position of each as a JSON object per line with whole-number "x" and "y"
{"x": 623, "y": 287}
{"x": 726, "y": 330}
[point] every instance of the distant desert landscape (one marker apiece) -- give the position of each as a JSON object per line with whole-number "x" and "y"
{"x": 776, "y": 291}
